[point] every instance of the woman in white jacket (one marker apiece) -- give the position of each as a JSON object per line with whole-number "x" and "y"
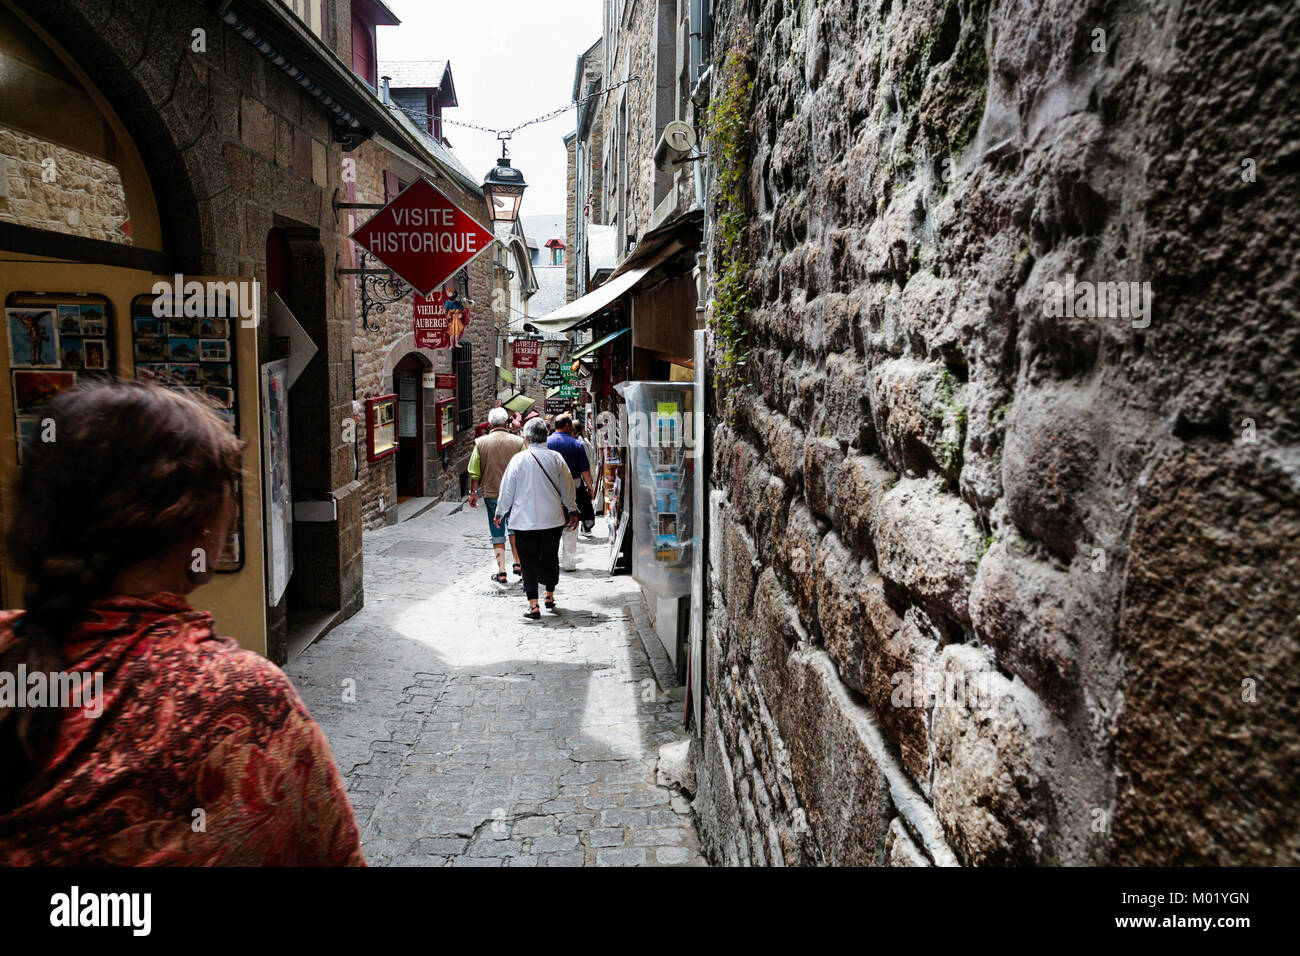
{"x": 537, "y": 497}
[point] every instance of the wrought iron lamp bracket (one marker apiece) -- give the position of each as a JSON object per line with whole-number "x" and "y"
{"x": 380, "y": 288}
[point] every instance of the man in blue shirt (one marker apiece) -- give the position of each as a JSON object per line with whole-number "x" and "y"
{"x": 571, "y": 450}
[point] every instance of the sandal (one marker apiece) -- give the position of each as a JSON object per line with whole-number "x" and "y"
{"x": 550, "y": 602}
{"x": 499, "y": 577}
{"x": 518, "y": 571}
{"x": 533, "y": 614}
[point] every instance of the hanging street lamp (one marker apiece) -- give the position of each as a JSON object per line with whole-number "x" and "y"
{"x": 503, "y": 188}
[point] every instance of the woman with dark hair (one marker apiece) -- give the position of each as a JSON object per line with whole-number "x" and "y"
{"x": 194, "y": 751}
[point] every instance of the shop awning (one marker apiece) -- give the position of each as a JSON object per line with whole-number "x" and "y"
{"x": 588, "y": 349}
{"x": 579, "y": 310}
{"x": 520, "y": 404}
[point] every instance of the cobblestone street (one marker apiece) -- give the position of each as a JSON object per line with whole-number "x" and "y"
{"x": 477, "y": 738}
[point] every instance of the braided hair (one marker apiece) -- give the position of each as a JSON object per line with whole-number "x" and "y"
{"x": 132, "y": 472}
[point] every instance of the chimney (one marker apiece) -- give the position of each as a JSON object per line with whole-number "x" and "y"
{"x": 383, "y": 90}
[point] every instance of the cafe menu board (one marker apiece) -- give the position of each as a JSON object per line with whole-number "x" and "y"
{"x": 195, "y": 354}
{"x": 381, "y": 427}
{"x": 55, "y": 341}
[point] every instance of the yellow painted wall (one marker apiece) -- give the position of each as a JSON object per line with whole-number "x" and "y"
{"x": 238, "y": 600}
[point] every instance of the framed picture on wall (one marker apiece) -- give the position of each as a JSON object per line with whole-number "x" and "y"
{"x": 381, "y": 427}
{"x": 445, "y": 416}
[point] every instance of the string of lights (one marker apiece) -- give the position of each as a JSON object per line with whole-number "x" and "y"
{"x": 507, "y": 132}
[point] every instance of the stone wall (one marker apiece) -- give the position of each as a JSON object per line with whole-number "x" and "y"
{"x": 585, "y": 159}
{"x": 635, "y": 56}
{"x": 993, "y": 581}
{"x": 48, "y": 186}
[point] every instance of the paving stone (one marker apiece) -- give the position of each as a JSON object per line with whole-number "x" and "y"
{"x": 672, "y": 855}
{"x": 621, "y": 856}
{"x": 607, "y": 836}
{"x": 657, "y": 837}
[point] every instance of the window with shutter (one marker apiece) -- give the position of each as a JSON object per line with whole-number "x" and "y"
{"x": 462, "y": 364}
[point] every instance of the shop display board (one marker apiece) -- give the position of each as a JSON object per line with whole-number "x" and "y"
{"x": 660, "y": 476}
{"x": 445, "y": 416}
{"x": 195, "y": 354}
{"x": 381, "y": 426}
{"x": 278, "y": 494}
{"x": 55, "y": 340}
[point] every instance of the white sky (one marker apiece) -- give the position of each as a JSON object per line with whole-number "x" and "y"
{"x": 511, "y": 60}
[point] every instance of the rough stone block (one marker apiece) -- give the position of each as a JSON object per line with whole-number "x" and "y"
{"x": 1018, "y": 605}
{"x": 901, "y": 690}
{"x": 795, "y": 555}
{"x": 1049, "y": 464}
{"x": 854, "y": 614}
{"x": 843, "y": 790}
{"x": 1206, "y": 740}
{"x": 863, "y": 483}
{"x": 256, "y": 127}
{"x": 847, "y": 407}
{"x": 920, "y": 415}
{"x": 822, "y": 461}
{"x": 928, "y": 542}
{"x": 991, "y": 743}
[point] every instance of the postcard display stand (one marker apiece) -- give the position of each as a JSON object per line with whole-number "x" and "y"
{"x": 661, "y": 501}
{"x": 194, "y": 354}
{"x": 55, "y": 341}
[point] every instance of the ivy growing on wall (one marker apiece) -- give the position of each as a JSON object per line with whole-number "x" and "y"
{"x": 730, "y": 110}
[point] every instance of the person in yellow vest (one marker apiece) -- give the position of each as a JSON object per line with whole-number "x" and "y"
{"x": 492, "y": 452}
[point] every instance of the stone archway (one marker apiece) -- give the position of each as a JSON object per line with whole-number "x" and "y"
{"x": 401, "y": 348}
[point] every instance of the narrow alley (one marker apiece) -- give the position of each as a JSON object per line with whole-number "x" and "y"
{"x": 476, "y": 738}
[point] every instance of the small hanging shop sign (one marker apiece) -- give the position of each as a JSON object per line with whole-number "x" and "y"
{"x": 527, "y": 352}
{"x": 553, "y": 375}
{"x": 431, "y": 322}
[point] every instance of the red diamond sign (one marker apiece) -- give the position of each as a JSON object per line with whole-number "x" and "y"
{"x": 423, "y": 236}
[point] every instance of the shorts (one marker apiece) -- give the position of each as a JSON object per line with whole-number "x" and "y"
{"x": 498, "y": 533}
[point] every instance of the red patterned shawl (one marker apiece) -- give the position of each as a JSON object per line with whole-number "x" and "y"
{"x": 190, "y": 722}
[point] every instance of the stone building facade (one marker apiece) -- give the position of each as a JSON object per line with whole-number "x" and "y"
{"x": 232, "y": 157}
{"x": 584, "y": 179}
{"x": 379, "y": 352}
{"x": 994, "y": 581}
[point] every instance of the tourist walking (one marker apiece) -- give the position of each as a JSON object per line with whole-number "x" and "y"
{"x": 596, "y": 474}
{"x": 537, "y": 501}
{"x": 487, "y": 464}
{"x": 575, "y": 456}
{"x": 112, "y": 520}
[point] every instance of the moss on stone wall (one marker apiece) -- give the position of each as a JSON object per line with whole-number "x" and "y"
{"x": 730, "y": 110}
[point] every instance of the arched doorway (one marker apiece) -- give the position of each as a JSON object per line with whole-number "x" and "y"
{"x": 408, "y": 386}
